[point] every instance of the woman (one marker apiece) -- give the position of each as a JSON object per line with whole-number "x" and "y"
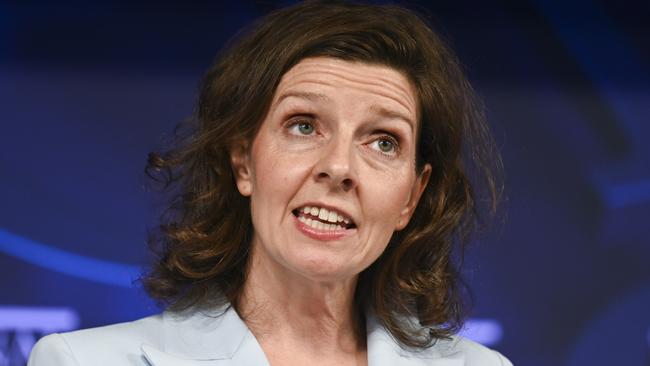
{"x": 318, "y": 200}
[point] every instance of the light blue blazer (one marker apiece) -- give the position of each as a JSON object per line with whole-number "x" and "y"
{"x": 200, "y": 339}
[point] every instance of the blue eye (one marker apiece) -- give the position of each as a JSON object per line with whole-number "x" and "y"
{"x": 302, "y": 128}
{"x": 385, "y": 145}
{"x": 305, "y": 128}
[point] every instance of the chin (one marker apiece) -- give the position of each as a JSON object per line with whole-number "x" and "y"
{"x": 321, "y": 268}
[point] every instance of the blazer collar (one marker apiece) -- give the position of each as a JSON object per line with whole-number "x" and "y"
{"x": 383, "y": 349}
{"x": 220, "y": 338}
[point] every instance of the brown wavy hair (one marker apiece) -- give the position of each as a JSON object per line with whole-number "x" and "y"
{"x": 203, "y": 243}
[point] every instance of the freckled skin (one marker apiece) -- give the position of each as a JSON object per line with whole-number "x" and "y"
{"x": 351, "y": 107}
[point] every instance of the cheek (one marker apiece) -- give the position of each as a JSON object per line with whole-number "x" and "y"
{"x": 278, "y": 175}
{"x": 387, "y": 194}
{"x": 277, "y": 171}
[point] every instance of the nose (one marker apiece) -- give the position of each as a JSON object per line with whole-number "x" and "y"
{"x": 336, "y": 167}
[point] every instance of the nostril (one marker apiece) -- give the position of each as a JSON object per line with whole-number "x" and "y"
{"x": 339, "y": 176}
{"x": 347, "y": 184}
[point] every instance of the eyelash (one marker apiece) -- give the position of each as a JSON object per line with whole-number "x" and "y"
{"x": 383, "y": 135}
{"x": 392, "y": 139}
{"x": 300, "y": 120}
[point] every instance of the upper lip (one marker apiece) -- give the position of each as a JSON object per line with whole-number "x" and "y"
{"x": 330, "y": 208}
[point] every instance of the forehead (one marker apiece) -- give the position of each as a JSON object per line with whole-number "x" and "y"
{"x": 331, "y": 74}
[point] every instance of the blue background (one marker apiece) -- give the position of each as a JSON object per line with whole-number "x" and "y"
{"x": 87, "y": 89}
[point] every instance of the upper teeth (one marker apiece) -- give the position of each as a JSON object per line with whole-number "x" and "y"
{"x": 325, "y": 214}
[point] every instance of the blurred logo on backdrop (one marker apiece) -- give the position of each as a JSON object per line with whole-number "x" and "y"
{"x": 21, "y": 327}
{"x": 69, "y": 263}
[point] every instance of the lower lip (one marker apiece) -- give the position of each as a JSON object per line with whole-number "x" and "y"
{"x": 323, "y": 235}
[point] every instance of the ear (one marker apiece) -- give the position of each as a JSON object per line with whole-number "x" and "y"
{"x": 416, "y": 192}
{"x": 240, "y": 162}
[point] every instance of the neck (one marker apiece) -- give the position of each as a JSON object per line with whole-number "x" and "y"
{"x": 282, "y": 307}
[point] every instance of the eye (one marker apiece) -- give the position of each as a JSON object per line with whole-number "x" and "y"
{"x": 386, "y": 145}
{"x": 301, "y": 128}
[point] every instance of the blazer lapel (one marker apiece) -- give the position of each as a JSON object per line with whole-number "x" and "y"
{"x": 156, "y": 357}
{"x": 205, "y": 338}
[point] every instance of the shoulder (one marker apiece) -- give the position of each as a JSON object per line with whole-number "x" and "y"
{"x": 113, "y": 344}
{"x": 475, "y": 354}
{"x": 384, "y": 349}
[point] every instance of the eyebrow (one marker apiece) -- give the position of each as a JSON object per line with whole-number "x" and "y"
{"x": 392, "y": 114}
{"x": 314, "y": 97}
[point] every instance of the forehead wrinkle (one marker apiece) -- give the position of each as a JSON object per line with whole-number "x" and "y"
{"x": 365, "y": 85}
{"x": 380, "y": 76}
{"x": 378, "y": 72}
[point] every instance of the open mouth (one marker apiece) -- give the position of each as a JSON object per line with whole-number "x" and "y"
{"x": 323, "y": 219}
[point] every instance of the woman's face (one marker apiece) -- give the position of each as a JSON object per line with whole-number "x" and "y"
{"x": 331, "y": 172}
